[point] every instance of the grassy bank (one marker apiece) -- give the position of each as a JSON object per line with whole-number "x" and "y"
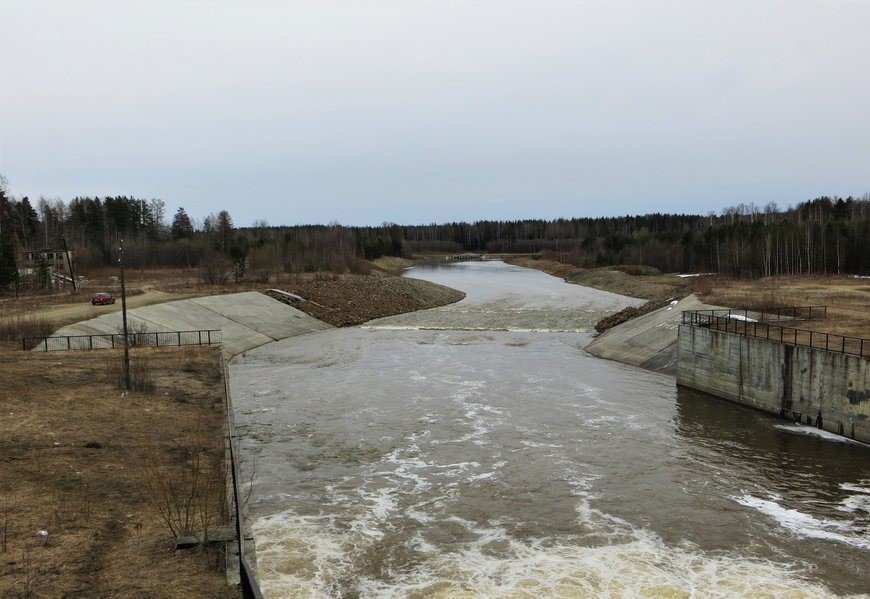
{"x": 847, "y": 297}
{"x": 86, "y": 467}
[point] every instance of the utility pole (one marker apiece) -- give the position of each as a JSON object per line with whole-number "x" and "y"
{"x": 72, "y": 275}
{"x": 142, "y": 236}
{"x": 124, "y": 318}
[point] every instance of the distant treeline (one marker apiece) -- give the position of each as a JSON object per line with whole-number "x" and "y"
{"x": 827, "y": 235}
{"x": 822, "y": 236}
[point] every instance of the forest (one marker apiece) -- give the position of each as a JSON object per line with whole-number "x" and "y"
{"x": 825, "y": 235}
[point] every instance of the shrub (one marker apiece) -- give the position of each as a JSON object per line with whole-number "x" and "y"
{"x": 15, "y": 326}
{"x": 141, "y": 373}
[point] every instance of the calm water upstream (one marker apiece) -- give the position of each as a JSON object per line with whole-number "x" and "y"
{"x": 476, "y": 450}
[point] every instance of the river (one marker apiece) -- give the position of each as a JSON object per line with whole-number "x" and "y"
{"x": 476, "y": 450}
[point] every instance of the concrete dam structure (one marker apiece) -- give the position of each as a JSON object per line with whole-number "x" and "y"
{"x": 827, "y": 388}
{"x": 247, "y": 320}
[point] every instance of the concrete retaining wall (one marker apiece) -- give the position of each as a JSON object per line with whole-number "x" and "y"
{"x": 246, "y": 320}
{"x": 648, "y": 341}
{"x": 811, "y": 385}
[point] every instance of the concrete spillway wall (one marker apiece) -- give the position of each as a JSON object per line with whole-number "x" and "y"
{"x": 828, "y": 389}
{"x": 246, "y": 320}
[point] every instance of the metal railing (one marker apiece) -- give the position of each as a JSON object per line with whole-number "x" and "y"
{"x": 769, "y": 314}
{"x": 112, "y": 340}
{"x": 749, "y": 323}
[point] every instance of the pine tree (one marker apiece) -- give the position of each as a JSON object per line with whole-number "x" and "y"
{"x": 181, "y": 228}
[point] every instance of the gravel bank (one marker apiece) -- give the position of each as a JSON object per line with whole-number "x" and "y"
{"x": 348, "y": 300}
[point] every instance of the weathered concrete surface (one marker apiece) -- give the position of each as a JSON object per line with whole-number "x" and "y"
{"x": 246, "y": 320}
{"x": 648, "y": 341}
{"x": 827, "y": 389}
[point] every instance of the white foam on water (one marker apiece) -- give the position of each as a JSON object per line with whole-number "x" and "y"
{"x": 860, "y": 501}
{"x": 808, "y": 526}
{"x": 419, "y": 544}
{"x": 802, "y": 429}
{"x": 536, "y": 445}
{"x": 496, "y": 566}
{"x": 862, "y": 487}
{"x": 416, "y": 514}
{"x": 457, "y": 327}
{"x": 855, "y": 503}
{"x": 310, "y": 557}
{"x": 299, "y": 556}
{"x": 598, "y": 421}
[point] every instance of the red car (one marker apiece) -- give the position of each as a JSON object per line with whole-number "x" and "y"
{"x": 101, "y": 299}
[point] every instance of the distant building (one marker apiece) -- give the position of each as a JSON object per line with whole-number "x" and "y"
{"x": 54, "y": 259}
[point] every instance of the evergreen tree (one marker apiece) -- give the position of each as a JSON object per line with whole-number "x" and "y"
{"x": 181, "y": 228}
{"x": 8, "y": 265}
{"x": 224, "y": 229}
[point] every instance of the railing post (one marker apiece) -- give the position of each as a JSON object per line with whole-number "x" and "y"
{"x": 209, "y": 337}
{"x": 179, "y": 338}
{"x": 46, "y": 344}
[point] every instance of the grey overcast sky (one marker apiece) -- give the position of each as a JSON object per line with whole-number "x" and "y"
{"x": 421, "y": 111}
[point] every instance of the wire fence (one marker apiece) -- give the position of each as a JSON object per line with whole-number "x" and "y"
{"x": 112, "y": 340}
{"x": 749, "y": 323}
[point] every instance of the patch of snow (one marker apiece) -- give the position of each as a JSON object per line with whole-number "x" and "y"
{"x": 741, "y": 318}
{"x": 803, "y": 429}
{"x": 286, "y": 294}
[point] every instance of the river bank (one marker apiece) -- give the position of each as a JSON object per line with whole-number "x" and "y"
{"x": 87, "y": 471}
{"x": 348, "y": 300}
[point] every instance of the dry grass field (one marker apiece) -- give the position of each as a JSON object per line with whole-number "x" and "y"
{"x": 84, "y": 467}
{"x": 847, "y": 299}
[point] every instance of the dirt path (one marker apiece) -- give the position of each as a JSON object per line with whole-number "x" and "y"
{"x": 83, "y": 310}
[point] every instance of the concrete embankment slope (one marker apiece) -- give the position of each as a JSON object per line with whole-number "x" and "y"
{"x": 246, "y": 320}
{"x": 648, "y": 341}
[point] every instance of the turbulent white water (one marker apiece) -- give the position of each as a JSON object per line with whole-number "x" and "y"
{"x": 409, "y": 458}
